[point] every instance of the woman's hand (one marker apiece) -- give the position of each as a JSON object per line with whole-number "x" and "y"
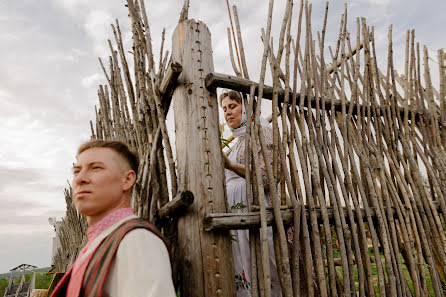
{"x": 237, "y": 168}
{"x": 227, "y": 162}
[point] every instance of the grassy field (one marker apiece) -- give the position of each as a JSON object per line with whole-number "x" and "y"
{"x": 43, "y": 281}
{"x": 406, "y": 273}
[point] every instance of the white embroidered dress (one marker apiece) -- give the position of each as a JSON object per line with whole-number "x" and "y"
{"x": 236, "y": 193}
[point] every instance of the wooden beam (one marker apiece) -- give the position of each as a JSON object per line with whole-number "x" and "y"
{"x": 234, "y": 221}
{"x": 177, "y": 206}
{"x": 219, "y": 80}
{"x": 169, "y": 83}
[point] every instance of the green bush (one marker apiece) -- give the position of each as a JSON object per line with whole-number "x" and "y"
{"x": 3, "y": 284}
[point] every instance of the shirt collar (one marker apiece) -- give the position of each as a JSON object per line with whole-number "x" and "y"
{"x": 108, "y": 221}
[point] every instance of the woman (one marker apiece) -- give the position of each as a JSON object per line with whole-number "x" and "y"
{"x": 235, "y": 116}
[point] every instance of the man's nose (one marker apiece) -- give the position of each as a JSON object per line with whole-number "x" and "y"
{"x": 81, "y": 177}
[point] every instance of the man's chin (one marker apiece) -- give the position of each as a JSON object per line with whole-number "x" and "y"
{"x": 84, "y": 209}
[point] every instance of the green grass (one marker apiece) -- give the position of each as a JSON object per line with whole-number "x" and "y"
{"x": 337, "y": 254}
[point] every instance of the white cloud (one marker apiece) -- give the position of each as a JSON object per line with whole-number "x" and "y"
{"x": 8, "y": 37}
{"x": 31, "y": 248}
{"x": 77, "y": 8}
{"x": 71, "y": 56}
{"x": 4, "y": 94}
{"x": 374, "y": 2}
{"x": 92, "y": 80}
{"x": 73, "y": 4}
{"x": 97, "y": 26}
{"x": 24, "y": 230}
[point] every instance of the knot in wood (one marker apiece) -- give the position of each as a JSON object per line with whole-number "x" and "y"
{"x": 348, "y": 235}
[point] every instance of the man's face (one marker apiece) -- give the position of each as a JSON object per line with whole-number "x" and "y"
{"x": 100, "y": 180}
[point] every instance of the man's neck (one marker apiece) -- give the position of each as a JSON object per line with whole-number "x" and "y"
{"x": 92, "y": 220}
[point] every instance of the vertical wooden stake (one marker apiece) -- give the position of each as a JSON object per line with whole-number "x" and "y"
{"x": 206, "y": 258}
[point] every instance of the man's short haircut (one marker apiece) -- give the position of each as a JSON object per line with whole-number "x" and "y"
{"x": 121, "y": 148}
{"x": 234, "y": 95}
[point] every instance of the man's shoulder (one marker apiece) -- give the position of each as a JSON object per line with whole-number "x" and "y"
{"x": 139, "y": 241}
{"x": 142, "y": 237}
{"x": 137, "y": 223}
{"x": 139, "y": 228}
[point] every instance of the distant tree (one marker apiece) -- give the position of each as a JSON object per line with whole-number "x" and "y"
{"x": 3, "y": 285}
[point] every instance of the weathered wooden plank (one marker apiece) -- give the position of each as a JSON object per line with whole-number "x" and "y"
{"x": 177, "y": 206}
{"x": 169, "y": 83}
{"x": 206, "y": 258}
{"x": 234, "y": 221}
{"x": 219, "y": 80}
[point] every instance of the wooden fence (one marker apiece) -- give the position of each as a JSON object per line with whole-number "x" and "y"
{"x": 361, "y": 154}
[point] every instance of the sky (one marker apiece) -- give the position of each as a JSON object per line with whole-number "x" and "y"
{"x": 49, "y": 75}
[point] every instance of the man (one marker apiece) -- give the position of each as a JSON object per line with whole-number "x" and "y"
{"x": 125, "y": 255}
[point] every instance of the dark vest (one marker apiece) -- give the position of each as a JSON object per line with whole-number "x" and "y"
{"x": 97, "y": 270}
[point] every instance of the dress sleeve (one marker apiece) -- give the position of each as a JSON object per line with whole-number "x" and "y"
{"x": 141, "y": 267}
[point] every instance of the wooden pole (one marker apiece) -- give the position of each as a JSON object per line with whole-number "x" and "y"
{"x": 206, "y": 258}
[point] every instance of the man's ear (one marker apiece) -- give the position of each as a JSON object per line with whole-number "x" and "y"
{"x": 130, "y": 178}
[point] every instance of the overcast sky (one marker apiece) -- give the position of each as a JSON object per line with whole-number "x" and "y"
{"x": 49, "y": 74}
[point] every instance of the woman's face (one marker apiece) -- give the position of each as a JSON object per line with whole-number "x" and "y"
{"x": 233, "y": 112}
